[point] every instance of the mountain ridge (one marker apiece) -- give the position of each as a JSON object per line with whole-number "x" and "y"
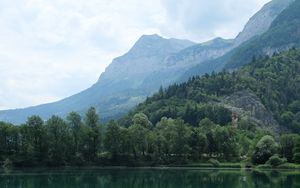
{"x": 105, "y": 93}
{"x": 281, "y": 36}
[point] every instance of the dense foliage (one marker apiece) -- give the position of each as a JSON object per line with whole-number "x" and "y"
{"x": 178, "y": 125}
{"x": 276, "y": 81}
{"x": 58, "y": 142}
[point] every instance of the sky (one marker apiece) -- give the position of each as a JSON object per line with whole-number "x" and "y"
{"x": 51, "y": 49}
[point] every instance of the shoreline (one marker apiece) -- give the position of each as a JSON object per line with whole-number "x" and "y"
{"x": 181, "y": 167}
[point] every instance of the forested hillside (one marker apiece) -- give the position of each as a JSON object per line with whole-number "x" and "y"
{"x": 275, "y": 81}
{"x": 186, "y": 123}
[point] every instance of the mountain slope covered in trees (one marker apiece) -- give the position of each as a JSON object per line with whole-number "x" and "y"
{"x": 275, "y": 81}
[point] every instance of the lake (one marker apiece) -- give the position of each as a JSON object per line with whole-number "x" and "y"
{"x": 149, "y": 178}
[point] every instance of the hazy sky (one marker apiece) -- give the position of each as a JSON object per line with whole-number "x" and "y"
{"x": 50, "y": 49}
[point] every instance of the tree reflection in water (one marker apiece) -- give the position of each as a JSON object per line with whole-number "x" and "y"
{"x": 146, "y": 178}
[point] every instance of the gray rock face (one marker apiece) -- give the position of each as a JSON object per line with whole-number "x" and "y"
{"x": 145, "y": 57}
{"x": 201, "y": 52}
{"x": 271, "y": 50}
{"x": 247, "y": 105}
{"x": 262, "y": 20}
{"x": 176, "y": 64}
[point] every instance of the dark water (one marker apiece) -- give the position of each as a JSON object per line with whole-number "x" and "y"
{"x": 146, "y": 178}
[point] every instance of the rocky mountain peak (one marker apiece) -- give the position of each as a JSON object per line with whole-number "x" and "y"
{"x": 155, "y": 45}
{"x": 262, "y": 20}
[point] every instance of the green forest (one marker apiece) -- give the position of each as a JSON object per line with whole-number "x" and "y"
{"x": 178, "y": 125}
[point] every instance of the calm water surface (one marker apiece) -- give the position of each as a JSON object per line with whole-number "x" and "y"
{"x": 149, "y": 178}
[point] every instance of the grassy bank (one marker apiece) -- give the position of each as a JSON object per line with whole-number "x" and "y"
{"x": 287, "y": 166}
{"x": 209, "y": 165}
{"x": 283, "y": 166}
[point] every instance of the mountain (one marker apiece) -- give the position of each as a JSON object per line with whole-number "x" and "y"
{"x": 212, "y": 55}
{"x": 178, "y": 63}
{"x": 265, "y": 93}
{"x": 146, "y": 57}
{"x": 152, "y": 62}
{"x": 118, "y": 88}
{"x": 257, "y": 25}
{"x": 262, "y": 20}
{"x": 281, "y": 35}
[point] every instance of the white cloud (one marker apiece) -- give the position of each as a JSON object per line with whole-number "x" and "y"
{"x": 50, "y": 49}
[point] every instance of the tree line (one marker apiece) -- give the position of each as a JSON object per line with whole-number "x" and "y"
{"x": 177, "y": 125}
{"x": 79, "y": 141}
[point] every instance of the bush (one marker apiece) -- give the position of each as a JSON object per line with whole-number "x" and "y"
{"x": 214, "y": 162}
{"x": 7, "y": 164}
{"x": 264, "y": 149}
{"x": 296, "y": 158}
{"x": 265, "y": 166}
{"x": 289, "y": 166}
{"x": 78, "y": 160}
{"x": 275, "y": 161}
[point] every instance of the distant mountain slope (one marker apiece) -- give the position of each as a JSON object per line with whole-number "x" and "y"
{"x": 266, "y": 93}
{"x": 118, "y": 88}
{"x": 282, "y": 34}
{"x": 176, "y": 64}
{"x": 145, "y": 57}
{"x": 261, "y": 21}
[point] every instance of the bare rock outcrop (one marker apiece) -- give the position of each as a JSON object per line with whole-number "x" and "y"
{"x": 247, "y": 105}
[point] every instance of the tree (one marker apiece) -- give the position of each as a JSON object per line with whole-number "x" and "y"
{"x": 209, "y": 129}
{"x": 180, "y": 138}
{"x": 3, "y": 140}
{"x": 75, "y": 123}
{"x": 152, "y": 145}
{"x": 35, "y": 137}
{"x": 138, "y": 139}
{"x": 206, "y": 125}
{"x": 296, "y": 150}
{"x": 295, "y": 106}
{"x": 59, "y": 140}
{"x": 227, "y": 142}
{"x": 264, "y": 149}
{"x": 275, "y": 161}
{"x": 165, "y": 131}
{"x": 287, "y": 118}
{"x": 198, "y": 143}
{"x": 92, "y": 121}
{"x": 112, "y": 139}
{"x": 141, "y": 119}
{"x": 287, "y": 143}
{"x": 9, "y": 140}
